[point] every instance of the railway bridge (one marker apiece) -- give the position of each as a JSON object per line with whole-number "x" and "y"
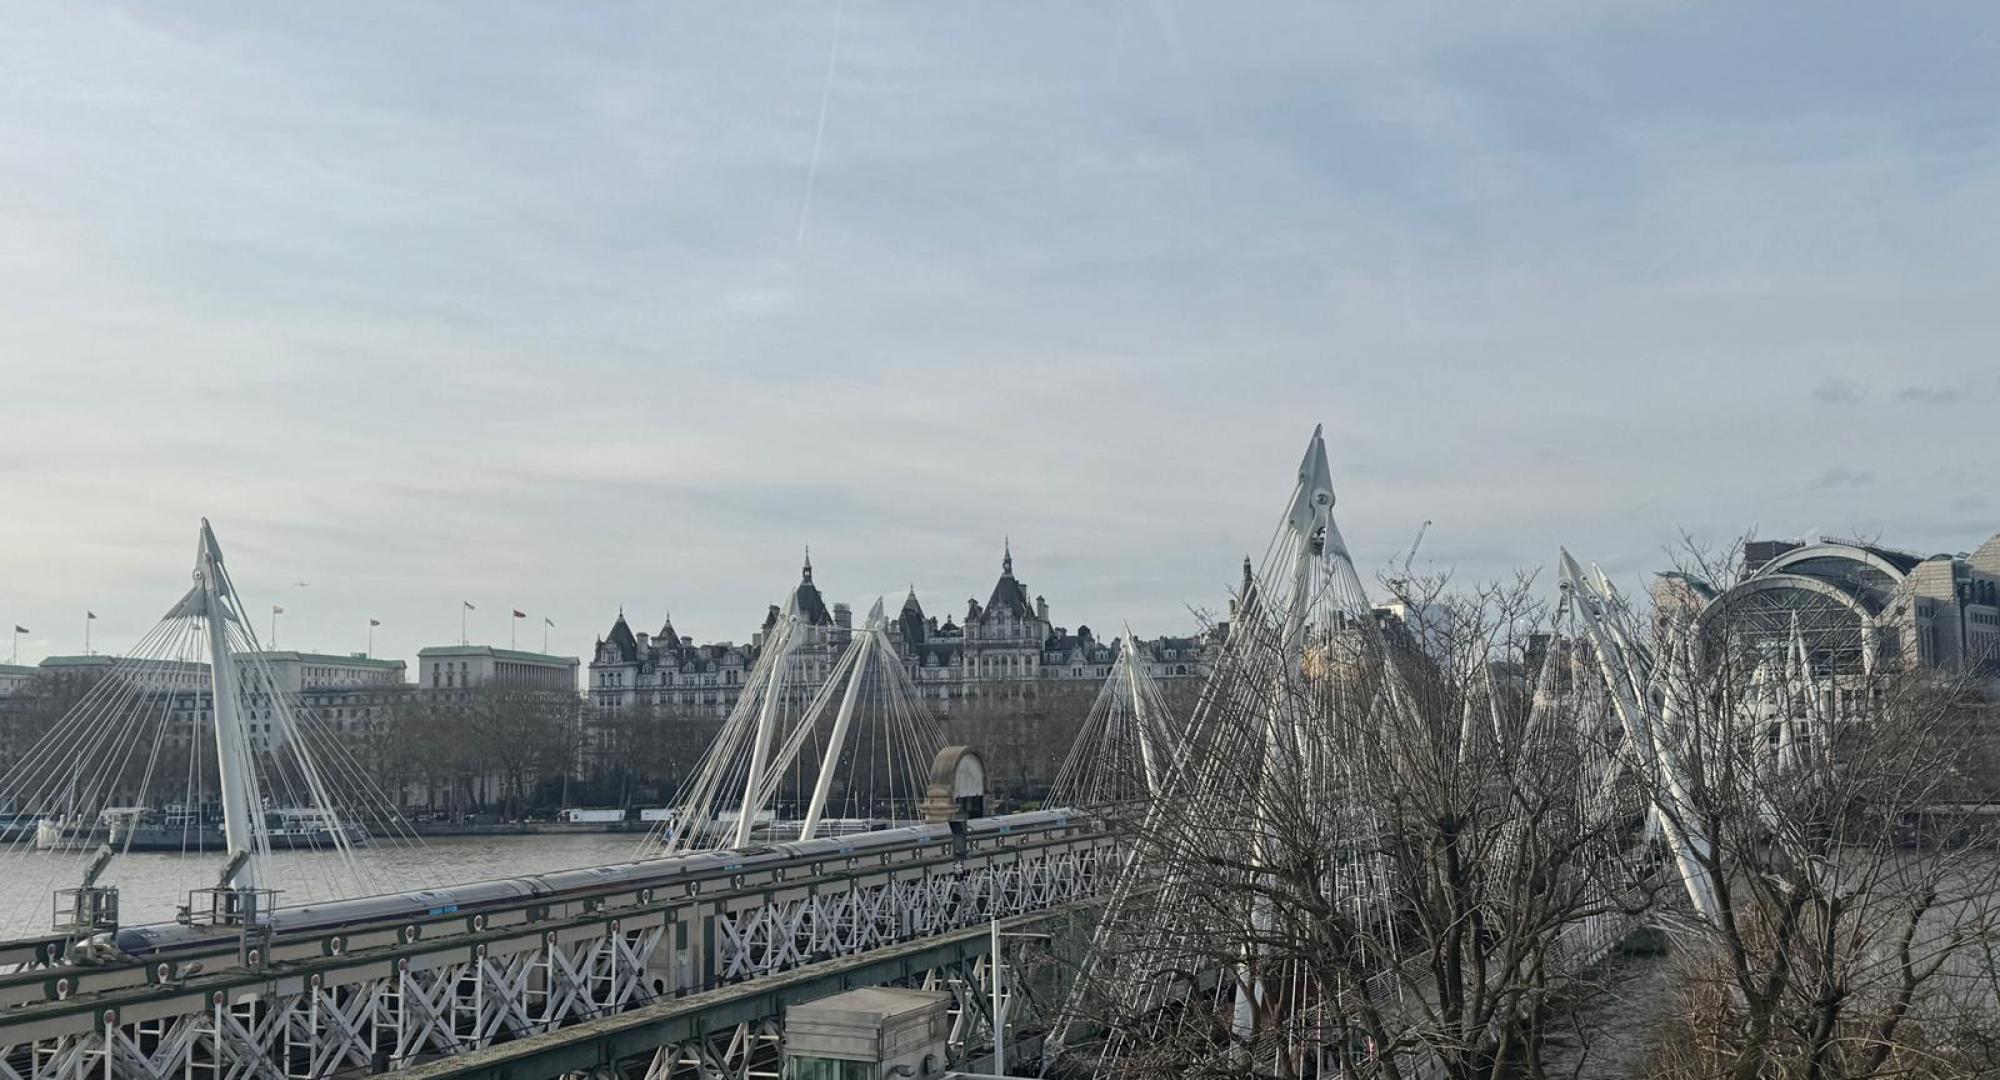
{"x": 827, "y": 838}
{"x": 330, "y": 990}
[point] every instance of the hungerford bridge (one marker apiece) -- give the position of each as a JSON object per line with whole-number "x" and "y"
{"x": 827, "y": 841}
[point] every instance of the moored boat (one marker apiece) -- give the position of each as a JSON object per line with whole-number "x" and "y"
{"x": 131, "y": 828}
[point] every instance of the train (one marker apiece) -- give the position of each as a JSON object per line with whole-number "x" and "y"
{"x": 742, "y": 868}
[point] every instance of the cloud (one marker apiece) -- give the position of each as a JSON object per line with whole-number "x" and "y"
{"x": 1834, "y": 390}
{"x": 1839, "y": 477}
{"x": 1930, "y": 395}
{"x": 522, "y": 316}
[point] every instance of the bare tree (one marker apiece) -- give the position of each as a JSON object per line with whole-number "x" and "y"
{"x": 1384, "y": 853}
{"x": 524, "y": 737}
{"x": 35, "y": 707}
{"x": 1828, "y": 787}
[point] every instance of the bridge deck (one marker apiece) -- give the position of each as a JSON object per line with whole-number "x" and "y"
{"x": 613, "y": 1039}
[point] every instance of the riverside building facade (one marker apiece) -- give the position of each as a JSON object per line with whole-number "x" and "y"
{"x": 1858, "y": 607}
{"x": 346, "y": 692}
{"x": 1003, "y": 645}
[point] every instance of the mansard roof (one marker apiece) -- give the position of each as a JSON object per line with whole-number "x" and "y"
{"x": 940, "y": 653}
{"x": 621, "y": 636}
{"x": 911, "y": 618}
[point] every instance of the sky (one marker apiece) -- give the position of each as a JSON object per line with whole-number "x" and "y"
{"x": 563, "y": 308}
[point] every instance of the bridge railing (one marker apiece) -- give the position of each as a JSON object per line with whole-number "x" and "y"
{"x": 394, "y": 996}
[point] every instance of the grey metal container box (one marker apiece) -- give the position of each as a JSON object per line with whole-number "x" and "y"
{"x": 891, "y": 1029}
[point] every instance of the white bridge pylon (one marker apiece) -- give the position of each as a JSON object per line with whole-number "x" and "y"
{"x": 853, "y": 743}
{"x": 1646, "y": 700}
{"x": 1260, "y": 747}
{"x": 1127, "y": 742}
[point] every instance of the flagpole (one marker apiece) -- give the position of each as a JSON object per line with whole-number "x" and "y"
{"x": 371, "y": 638}
{"x": 545, "y": 634}
{"x": 86, "y": 634}
{"x": 513, "y": 633}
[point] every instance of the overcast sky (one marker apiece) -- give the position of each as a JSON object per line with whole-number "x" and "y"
{"x": 548, "y": 307}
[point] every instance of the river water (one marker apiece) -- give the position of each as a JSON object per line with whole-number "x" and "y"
{"x": 152, "y": 885}
{"x": 1619, "y": 1017}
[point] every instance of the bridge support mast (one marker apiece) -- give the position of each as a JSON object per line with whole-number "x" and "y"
{"x": 1638, "y": 703}
{"x": 1311, "y": 520}
{"x": 767, "y": 721}
{"x": 241, "y": 820}
{"x": 841, "y": 722}
{"x": 1139, "y": 718}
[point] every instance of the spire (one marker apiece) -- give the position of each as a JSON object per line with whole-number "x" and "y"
{"x": 805, "y": 599}
{"x": 1007, "y": 555}
{"x": 1247, "y": 575}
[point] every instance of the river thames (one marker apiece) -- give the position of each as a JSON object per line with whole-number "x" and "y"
{"x": 152, "y": 885}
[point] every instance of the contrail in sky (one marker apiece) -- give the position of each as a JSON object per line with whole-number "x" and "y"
{"x": 819, "y": 136}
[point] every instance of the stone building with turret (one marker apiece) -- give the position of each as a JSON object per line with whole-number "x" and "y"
{"x": 1007, "y": 642}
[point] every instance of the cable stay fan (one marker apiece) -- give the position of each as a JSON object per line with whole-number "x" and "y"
{"x": 193, "y": 744}
{"x": 801, "y": 756}
{"x": 1122, "y": 752}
